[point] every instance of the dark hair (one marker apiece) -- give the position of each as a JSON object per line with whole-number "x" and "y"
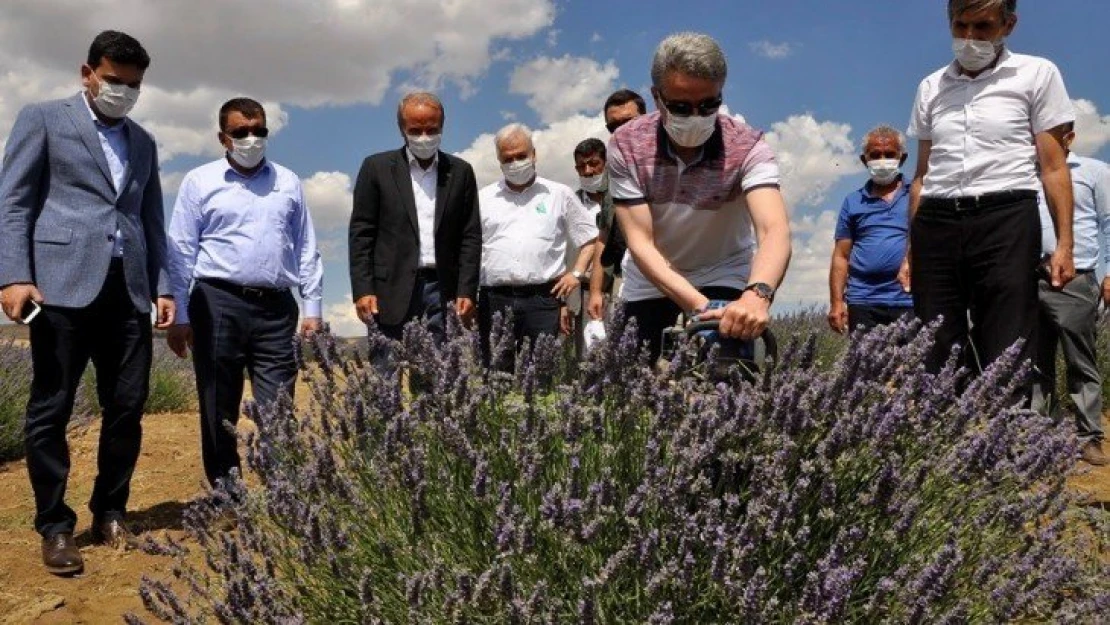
{"x": 250, "y": 109}
{"x": 622, "y": 97}
{"x": 119, "y": 48}
{"x": 959, "y": 7}
{"x": 1068, "y": 127}
{"x": 588, "y": 147}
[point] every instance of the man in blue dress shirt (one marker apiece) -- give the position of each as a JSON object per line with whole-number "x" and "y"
{"x": 871, "y": 237}
{"x": 240, "y": 239}
{"x": 1068, "y": 315}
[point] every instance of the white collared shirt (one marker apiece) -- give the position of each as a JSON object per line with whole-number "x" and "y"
{"x": 114, "y": 143}
{"x": 524, "y": 235}
{"x": 983, "y": 128}
{"x": 424, "y": 192}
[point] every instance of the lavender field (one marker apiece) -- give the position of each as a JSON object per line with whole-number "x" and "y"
{"x": 846, "y": 485}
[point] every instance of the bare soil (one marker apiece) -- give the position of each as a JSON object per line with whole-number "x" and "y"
{"x": 168, "y": 476}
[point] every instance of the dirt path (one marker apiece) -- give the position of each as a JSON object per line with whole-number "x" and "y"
{"x": 169, "y": 474}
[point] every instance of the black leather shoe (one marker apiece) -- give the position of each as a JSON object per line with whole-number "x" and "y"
{"x": 113, "y": 533}
{"x": 60, "y": 555}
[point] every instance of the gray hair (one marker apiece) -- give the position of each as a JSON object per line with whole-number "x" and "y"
{"x": 693, "y": 54}
{"x": 512, "y": 130}
{"x": 884, "y": 131}
{"x": 420, "y": 97}
{"x": 958, "y": 7}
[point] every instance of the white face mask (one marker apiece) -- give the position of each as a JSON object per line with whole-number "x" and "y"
{"x": 423, "y": 147}
{"x": 883, "y": 170}
{"x": 594, "y": 184}
{"x": 974, "y": 55}
{"x": 519, "y": 172}
{"x": 691, "y": 131}
{"x": 114, "y": 101}
{"x": 248, "y": 151}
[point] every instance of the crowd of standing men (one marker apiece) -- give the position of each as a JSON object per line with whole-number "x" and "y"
{"x": 679, "y": 216}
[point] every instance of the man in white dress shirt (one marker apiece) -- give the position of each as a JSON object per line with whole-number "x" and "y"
{"x": 526, "y": 223}
{"x": 985, "y": 124}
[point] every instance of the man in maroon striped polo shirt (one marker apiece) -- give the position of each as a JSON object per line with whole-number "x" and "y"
{"x": 690, "y": 185}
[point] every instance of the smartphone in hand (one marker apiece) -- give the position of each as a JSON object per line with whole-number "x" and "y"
{"x": 30, "y": 310}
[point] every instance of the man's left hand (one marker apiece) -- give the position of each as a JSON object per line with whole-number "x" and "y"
{"x": 1062, "y": 267}
{"x": 565, "y": 286}
{"x": 745, "y": 318}
{"x": 464, "y": 308}
{"x": 311, "y": 325}
{"x": 167, "y": 311}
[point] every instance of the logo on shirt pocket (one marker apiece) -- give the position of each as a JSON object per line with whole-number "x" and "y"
{"x": 541, "y": 208}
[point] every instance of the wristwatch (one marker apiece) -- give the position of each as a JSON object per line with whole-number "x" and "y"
{"x": 577, "y": 274}
{"x": 763, "y": 290}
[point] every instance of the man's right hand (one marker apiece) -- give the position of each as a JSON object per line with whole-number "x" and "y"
{"x": 15, "y": 296}
{"x": 367, "y": 307}
{"x": 1106, "y": 291}
{"x": 838, "y": 317}
{"x": 904, "y": 274}
{"x": 180, "y": 339}
{"x": 596, "y": 307}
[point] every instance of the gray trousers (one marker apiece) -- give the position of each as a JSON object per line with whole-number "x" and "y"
{"x": 1067, "y": 318}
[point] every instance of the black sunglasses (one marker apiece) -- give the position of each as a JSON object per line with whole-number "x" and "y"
{"x": 704, "y": 108}
{"x": 241, "y": 133}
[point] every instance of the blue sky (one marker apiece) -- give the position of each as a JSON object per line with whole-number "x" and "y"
{"x": 816, "y": 74}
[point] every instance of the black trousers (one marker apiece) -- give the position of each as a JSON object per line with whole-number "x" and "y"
{"x": 655, "y": 315}
{"x": 979, "y": 266}
{"x": 532, "y": 310}
{"x": 117, "y": 338}
{"x": 869, "y": 316}
{"x": 426, "y": 303}
{"x": 233, "y": 332}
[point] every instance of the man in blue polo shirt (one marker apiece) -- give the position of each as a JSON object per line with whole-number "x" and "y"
{"x": 871, "y": 237}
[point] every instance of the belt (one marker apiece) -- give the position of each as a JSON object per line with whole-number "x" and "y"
{"x": 525, "y": 290}
{"x": 253, "y": 292}
{"x": 428, "y": 274}
{"x": 976, "y": 203}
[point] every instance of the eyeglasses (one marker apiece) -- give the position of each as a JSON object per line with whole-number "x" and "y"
{"x": 704, "y": 108}
{"x": 241, "y": 133}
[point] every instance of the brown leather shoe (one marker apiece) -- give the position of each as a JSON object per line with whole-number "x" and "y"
{"x": 1092, "y": 454}
{"x": 60, "y": 555}
{"x": 113, "y": 533}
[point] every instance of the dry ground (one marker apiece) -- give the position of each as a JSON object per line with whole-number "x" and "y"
{"x": 169, "y": 474}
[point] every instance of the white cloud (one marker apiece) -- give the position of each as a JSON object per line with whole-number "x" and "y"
{"x": 554, "y": 150}
{"x": 171, "y": 182}
{"x": 807, "y": 280}
{"x": 770, "y": 50}
{"x": 328, "y": 196}
{"x": 280, "y": 58}
{"x": 596, "y": 37}
{"x": 342, "y": 318}
{"x": 1092, "y": 130}
{"x": 560, "y": 87}
{"x": 812, "y": 156}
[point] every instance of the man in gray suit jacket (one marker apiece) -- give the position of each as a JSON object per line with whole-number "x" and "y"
{"x": 82, "y": 233}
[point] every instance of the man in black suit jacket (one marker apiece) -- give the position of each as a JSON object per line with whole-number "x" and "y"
{"x": 415, "y": 239}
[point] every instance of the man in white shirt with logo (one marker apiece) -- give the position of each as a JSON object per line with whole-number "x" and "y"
{"x": 985, "y": 124}
{"x": 526, "y": 223}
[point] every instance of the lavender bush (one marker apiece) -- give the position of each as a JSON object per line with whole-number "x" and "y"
{"x": 171, "y": 390}
{"x": 867, "y": 492}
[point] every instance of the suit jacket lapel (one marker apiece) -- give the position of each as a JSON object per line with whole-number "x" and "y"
{"x": 403, "y": 179}
{"x": 443, "y": 181}
{"x": 134, "y": 154}
{"x": 79, "y": 114}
